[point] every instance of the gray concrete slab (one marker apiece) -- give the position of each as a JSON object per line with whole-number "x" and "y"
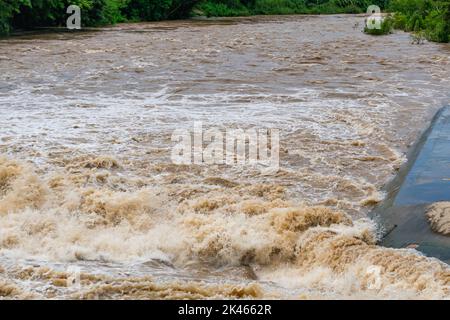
{"x": 425, "y": 179}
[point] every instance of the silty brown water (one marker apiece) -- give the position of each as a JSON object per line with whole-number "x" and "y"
{"x": 87, "y": 182}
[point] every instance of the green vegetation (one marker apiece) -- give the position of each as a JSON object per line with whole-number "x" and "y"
{"x": 214, "y": 8}
{"x": 151, "y": 10}
{"x": 387, "y": 26}
{"x": 7, "y": 10}
{"x": 38, "y": 13}
{"x": 430, "y": 18}
{"x": 22, "y": 14}
{"x": 224, "y": 8}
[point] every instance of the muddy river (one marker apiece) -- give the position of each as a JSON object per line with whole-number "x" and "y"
{"x": 92, "y": 204}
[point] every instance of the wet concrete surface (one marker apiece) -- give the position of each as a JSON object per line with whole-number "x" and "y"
{"x": 423, "y": 181}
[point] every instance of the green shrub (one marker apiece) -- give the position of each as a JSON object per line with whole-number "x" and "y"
{"x": 437, "y": 27}
{"x": 44, "y": 13}
{"x": 400, "y": 21}
{"x": 430, "y": 16}
{"x": 360, "y": 4}
{"x": 279, "y": 7}
{"x": 111, "y": 12}
{"x": 409, "y": 7}
{"x": 415, "y": 23}
{"x": 38, "y": 13}
{"x": 223, "y": 8}
{"x": 246, "y": 7}
{"x": 387, "y": 26}
{"x": 7, "y": 11}
{"x": 154, "y": 10}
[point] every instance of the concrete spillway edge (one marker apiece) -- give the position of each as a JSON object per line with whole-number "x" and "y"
{"x": 423, "y": 180}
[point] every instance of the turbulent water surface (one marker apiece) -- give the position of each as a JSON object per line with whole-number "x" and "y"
{"x": 88, "y": 188}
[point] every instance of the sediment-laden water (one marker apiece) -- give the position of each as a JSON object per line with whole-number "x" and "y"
{"x": 88, "y": 188}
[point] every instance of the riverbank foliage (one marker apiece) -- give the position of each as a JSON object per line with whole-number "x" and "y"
{"x": 223, "y": 8}
{"x": 428, "y": 17}
{"x": 24, "y": 14}
{"x": 386, "y": 27}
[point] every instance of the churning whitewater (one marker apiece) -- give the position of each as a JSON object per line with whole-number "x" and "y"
{"x": 87, "y": 182}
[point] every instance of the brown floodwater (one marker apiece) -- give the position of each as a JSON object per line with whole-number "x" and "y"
{"x": 87, "y": 182}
